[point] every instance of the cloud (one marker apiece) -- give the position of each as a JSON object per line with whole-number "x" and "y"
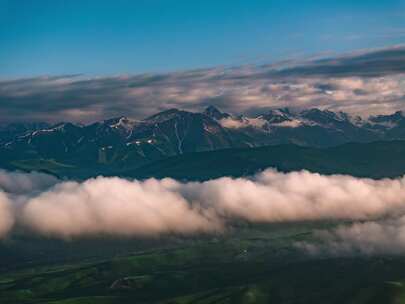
{"x": 362, "y": 83}
{"x": 386, "y": 236}
{"x": 362, "y": 63}
{"x": 289, "y": 123}
{"x": 116, "y": 206}
{"x": 236, "y": 123}
{"x": 19, "y": 182}
{"x": 6, "y": 215}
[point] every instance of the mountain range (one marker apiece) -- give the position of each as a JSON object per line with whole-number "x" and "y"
{"x": 123, "y": 143}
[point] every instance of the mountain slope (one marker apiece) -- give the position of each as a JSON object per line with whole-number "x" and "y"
{"x": 375, "y": 160}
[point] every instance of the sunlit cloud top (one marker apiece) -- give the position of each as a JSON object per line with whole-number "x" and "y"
{"x": 363, "y": 83}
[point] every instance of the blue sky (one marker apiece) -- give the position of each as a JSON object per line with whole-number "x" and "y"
{"x": 116, "y": 37}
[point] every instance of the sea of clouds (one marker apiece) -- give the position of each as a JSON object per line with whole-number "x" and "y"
{"x": 43, "y": 205}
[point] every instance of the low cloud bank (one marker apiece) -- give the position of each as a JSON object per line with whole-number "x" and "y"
{"x": 6, "y": 215}
{"x": 366, "y": 238}
{"x": 19, "y": 183}
{"x": 114, "y": 206}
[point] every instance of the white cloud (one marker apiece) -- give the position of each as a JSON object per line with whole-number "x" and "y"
{"x": 386, "y": 236}
{"x": 236, "y": 123}
{"x": 116, "y": 206}
{"x": 19, "y": 182}
{"x": 294, "y": 123}
{"x": 6, "y": 215}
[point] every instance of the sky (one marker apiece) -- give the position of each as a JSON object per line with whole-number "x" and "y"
{"x": 129, "y": 37}
{"x": 84, "y": 61}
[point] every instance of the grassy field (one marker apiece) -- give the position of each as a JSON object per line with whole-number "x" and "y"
{"x": 248, "y": 265}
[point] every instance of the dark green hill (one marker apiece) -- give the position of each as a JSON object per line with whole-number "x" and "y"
{"x": 376, "y": 160}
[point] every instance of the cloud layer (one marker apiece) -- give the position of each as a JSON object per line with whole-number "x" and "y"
{"x": 386, "y": 236}
{"x": 364, "y": 83}
{"x": 115, "y": 206}
{"x": 20, "y": 183}
{"x": 6, "y": 215}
